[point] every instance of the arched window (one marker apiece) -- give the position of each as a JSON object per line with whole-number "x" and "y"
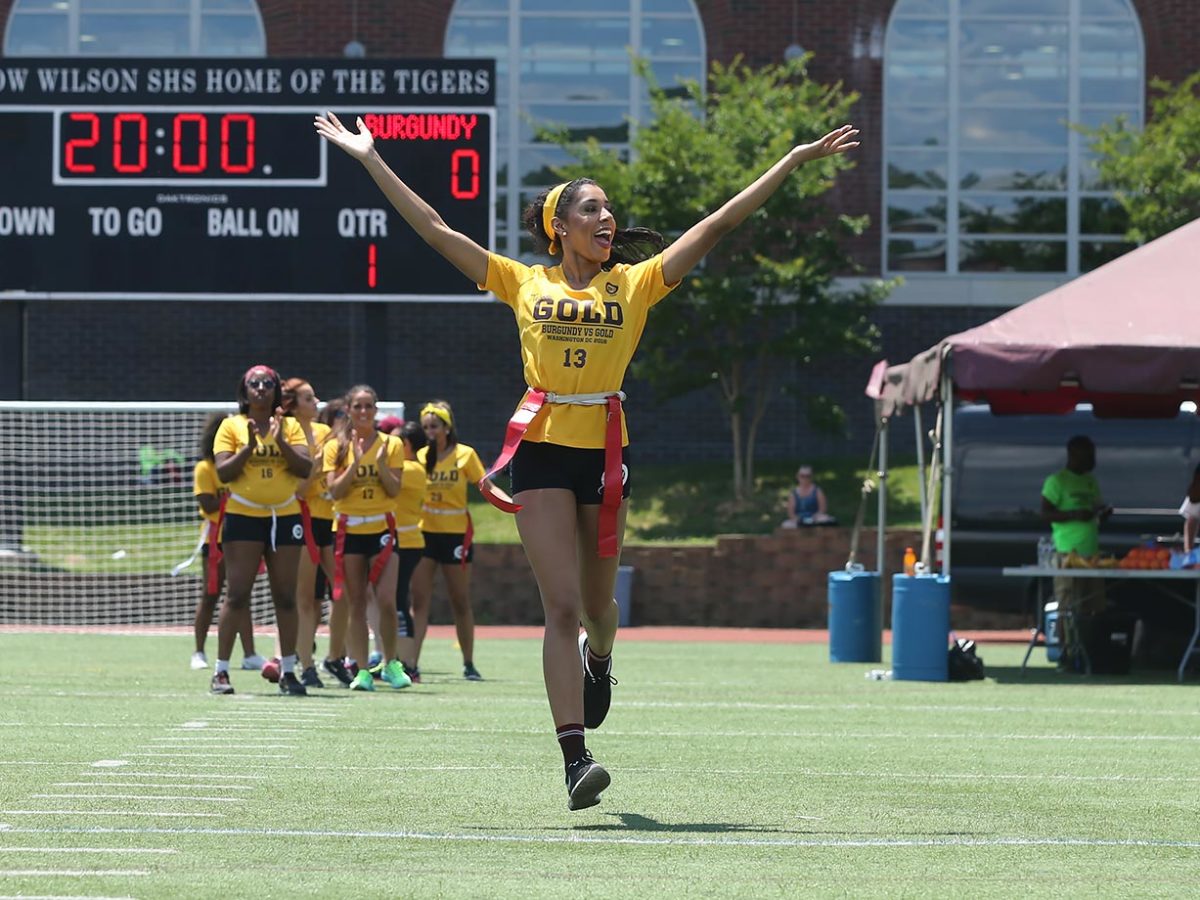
{"x": 983, "y": 172}
{"x": 135, "y": 28}
{"x": 572, "y": 63}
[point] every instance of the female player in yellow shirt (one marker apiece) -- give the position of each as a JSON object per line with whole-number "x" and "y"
{"x": 410, "y": 542}
{"x": 316, "y": 512}
{"x": 579, "y": 324}
{"x": 261, "y": 456}
{"x": 363, "y": 469}
{"x": 449, "y": 467}
{"x": 208, "y": 491}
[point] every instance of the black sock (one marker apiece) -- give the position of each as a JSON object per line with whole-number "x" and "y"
{"x": 570, "y": 741}
{"x": 598, "y": 665}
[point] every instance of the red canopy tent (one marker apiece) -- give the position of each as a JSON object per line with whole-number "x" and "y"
{"x": 1125, "y": 338}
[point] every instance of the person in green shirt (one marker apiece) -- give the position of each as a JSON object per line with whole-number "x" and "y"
{"x": 1071, "y": 501}
{"x": 1072, "y": 504}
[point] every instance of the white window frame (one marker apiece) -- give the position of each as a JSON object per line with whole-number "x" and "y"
{"x": 73, "y": 13}
{"x": 515, "y": 192}
{"x": 1074, "y": 147}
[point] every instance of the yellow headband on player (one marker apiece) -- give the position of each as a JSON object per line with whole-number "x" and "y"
{"x": 442, "y": 414}
{"x": 548, "y": 215}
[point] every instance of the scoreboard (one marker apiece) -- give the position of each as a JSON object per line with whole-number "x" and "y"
{"x": 205, "y": 179}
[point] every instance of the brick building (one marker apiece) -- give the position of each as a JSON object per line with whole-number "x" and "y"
{"x": 978, "y": 192}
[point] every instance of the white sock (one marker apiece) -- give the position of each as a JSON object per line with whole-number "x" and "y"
{"x": 288, "y": 664}
{"x": 222, "y": 666}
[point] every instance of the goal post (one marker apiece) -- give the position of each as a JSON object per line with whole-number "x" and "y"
{"x": 96, "y": 509}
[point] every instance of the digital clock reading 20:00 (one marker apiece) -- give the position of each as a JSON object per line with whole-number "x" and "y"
{"x": 145, "y": 145}
{"x": 222, "y": 189}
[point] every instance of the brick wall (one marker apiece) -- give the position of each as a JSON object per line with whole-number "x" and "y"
{"x": 761, "y": 581}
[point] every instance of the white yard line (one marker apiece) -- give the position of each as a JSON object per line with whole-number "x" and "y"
{"x": 139, "y": 798}
{"x": 72, "y": 873}
{"x": 210, "y": 775}
{"x": 577, "y": 838}
{"x": 85, "y": 850}
{"x": 207, "y": 755}
{"x": 109, "y": 812}
{"x": 151, "y": 785}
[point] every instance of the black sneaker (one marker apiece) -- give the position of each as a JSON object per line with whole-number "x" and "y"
{"x": 309, "y": 678}
{"x": 290, "y": 686}
{"x": 414, "y": 674}
{"x": 220, "y": 683}
{"x": 471, "y": 673}
{"x": 337, "y": 669}
{"x": 586, "y": 778}
{"x": 597, "y": 689}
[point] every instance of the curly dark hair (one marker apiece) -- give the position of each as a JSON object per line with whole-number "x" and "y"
{"x": 243, "y": 396}
{"x": 629, "y": 245}
{"x": 414, "y": 434}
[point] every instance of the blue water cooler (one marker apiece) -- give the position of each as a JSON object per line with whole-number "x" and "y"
{"x": 1050, "y": 631}
{"x": 920, "y": 627}
{"x": 855, "y": 617}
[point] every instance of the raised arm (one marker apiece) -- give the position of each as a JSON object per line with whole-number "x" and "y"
{"x": 683, "y": 255}
{"x": 462, "y": 252}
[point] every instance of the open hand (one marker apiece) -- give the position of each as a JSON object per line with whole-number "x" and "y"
{"x": 837, "y": 141}
{"x": 358, "y": 144}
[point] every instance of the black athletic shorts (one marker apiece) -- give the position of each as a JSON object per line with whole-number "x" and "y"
{"x": 445, "y": 548}
{"x": 322, "y": 532}
{"x": 368, "y": 544}
{"x": 542, "y": 465}
{"x": 289, "y": 530}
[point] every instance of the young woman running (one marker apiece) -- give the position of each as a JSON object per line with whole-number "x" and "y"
{"x": 316, "y": 512}
{"x": 208, "y": 490}
{"x": 261, "y": 456}
{"x": 363, "y": 471}
{"x": 569, "y": 429}
{"x": 446, "y": 526}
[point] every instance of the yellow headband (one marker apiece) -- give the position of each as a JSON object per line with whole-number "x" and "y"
{"x": 432, "y": 410}
{"x": 548, "y": 215}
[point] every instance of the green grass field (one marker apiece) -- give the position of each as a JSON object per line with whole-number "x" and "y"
{"x": 739, "y": 770}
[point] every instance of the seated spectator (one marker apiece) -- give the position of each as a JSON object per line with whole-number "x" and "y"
{"x": 1190, "y": 510}
{"x": 806, "y": 504}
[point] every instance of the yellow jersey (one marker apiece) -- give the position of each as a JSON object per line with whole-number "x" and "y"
{"x": 265, "y": 480}
{"x": 576, "y": 341}
{"x": 445, "y": 508}
{"x": 408, "y": 506}
{"x": 205, "y": 481}
{"x": 320, "y": 504}
{"x": 366, "y": 497}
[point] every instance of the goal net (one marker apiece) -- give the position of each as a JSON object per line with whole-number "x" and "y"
{"x": 96, "y": 510}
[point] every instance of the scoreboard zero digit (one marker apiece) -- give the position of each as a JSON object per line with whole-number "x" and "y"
{"x": 220, "y": 188}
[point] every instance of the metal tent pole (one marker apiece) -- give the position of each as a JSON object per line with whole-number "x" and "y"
{"x": 947, "y": 400}
{"x": 920, "y": 460}
{"x": 881, "y": 518}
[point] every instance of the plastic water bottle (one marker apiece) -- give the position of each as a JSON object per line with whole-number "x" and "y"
{"x": 910, "y": 561}
{"x": 1045, "y": 552}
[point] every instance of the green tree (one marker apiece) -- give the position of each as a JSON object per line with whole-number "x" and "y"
{"x": 765, "y": 298}
{"x": 1156, "y": 171}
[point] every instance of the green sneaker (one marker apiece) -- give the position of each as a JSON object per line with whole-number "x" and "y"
{"x": 362, "y": 681}
{"x": 394, "y": 674}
